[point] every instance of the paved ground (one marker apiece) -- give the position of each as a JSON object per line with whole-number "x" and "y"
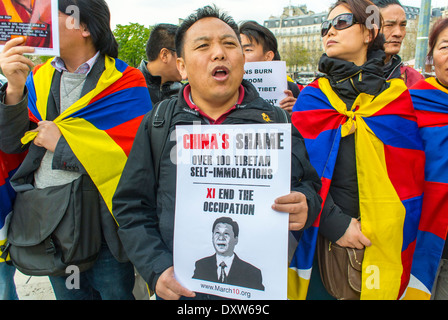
{"x": 33, "y": 288}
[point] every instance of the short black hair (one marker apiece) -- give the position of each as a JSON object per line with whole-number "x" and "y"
{"x": 95, "y": 15}
{"x": 201, "y": 13}
{"x": 261, "y": 35}
{"x": 385, "y": 3}
{"x": 162, "y": 36}
{"x": 229, "y": 221}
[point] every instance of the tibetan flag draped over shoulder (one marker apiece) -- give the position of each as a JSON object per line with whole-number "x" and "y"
{"x": 9, "y": 163}
{"x": 431, "y": 106}
{"x": 101, "y": 126}
{"x": 390, "y": 170}
{"x": 35, "y": 17}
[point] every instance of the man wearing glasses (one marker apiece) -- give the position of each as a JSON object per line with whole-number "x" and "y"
{"x": 160, "y": 71}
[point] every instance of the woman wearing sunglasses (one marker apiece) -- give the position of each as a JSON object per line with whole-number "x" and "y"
{"x": 362, "y": 138}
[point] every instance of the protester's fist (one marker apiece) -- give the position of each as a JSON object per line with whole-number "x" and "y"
{"x": 48, "y": 135}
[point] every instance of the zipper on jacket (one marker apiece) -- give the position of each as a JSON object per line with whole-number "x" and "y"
{"x": 354, "y": 87}
{"x": 393, "y": 70}
{"x": 360, "y": 71}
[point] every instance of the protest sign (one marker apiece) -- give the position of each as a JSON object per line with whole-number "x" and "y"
{"x": 36, "y": 20}
{"x": 269, "y": 77}
{"x": 228, "y": 177}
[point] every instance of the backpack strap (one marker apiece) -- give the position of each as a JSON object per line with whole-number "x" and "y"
{"x": 282, "y": 115}
{"x": 159, "y": 127}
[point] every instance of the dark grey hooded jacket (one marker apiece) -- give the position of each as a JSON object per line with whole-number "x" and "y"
{"x": 144, "y": 209}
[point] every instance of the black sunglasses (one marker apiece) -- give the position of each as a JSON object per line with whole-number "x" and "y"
{"x": 340, "y": 22}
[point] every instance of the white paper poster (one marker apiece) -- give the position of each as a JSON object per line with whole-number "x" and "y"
{"x": 269, "y": 77}
{"x": 36, "y": 20}
{"x": 228, "y": 241}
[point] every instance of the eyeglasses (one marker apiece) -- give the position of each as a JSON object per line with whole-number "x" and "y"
{"x": 340, "y": 22}
{"x": 171, "y": 49}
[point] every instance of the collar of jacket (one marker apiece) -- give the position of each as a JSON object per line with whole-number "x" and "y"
{"x": 250, "y": 95}
{"x": 349, "y": 80}
{"x": 392, "y": 70}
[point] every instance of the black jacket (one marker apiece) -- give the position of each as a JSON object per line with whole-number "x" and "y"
{"x": 348, "y": 81}
{"x": 158, "y": 91}
{"x": 145, "y": 210}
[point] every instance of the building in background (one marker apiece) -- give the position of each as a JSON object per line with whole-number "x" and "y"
{"x": 298, "y": 35}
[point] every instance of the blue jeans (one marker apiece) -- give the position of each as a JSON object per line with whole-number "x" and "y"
{"x": 316, "y": 289}
{"x": 108, "y": 279}
{"x": 7, "y": 285}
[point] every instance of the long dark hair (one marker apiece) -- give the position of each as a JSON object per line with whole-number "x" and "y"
{"x": 362, "y": 14}
{"x": 95, "y": 15}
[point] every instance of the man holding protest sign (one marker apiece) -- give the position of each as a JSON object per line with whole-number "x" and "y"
{"x": 260, "y": 44}
{"x": 211, "y": 58}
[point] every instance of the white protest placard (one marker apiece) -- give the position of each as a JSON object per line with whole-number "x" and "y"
{"x": 269, "y": 77}
{"x": 228, "y": 177}
{"x": 36, "y": 20}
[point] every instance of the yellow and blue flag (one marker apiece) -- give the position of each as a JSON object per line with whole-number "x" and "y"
{"x": 101, "y": 126}
{"x": 390, "y": 170}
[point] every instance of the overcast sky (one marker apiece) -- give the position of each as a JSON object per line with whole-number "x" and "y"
{"x": 151, "y": 12}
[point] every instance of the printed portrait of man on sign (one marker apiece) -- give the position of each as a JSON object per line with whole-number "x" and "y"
{"x": 225, "y": 266}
